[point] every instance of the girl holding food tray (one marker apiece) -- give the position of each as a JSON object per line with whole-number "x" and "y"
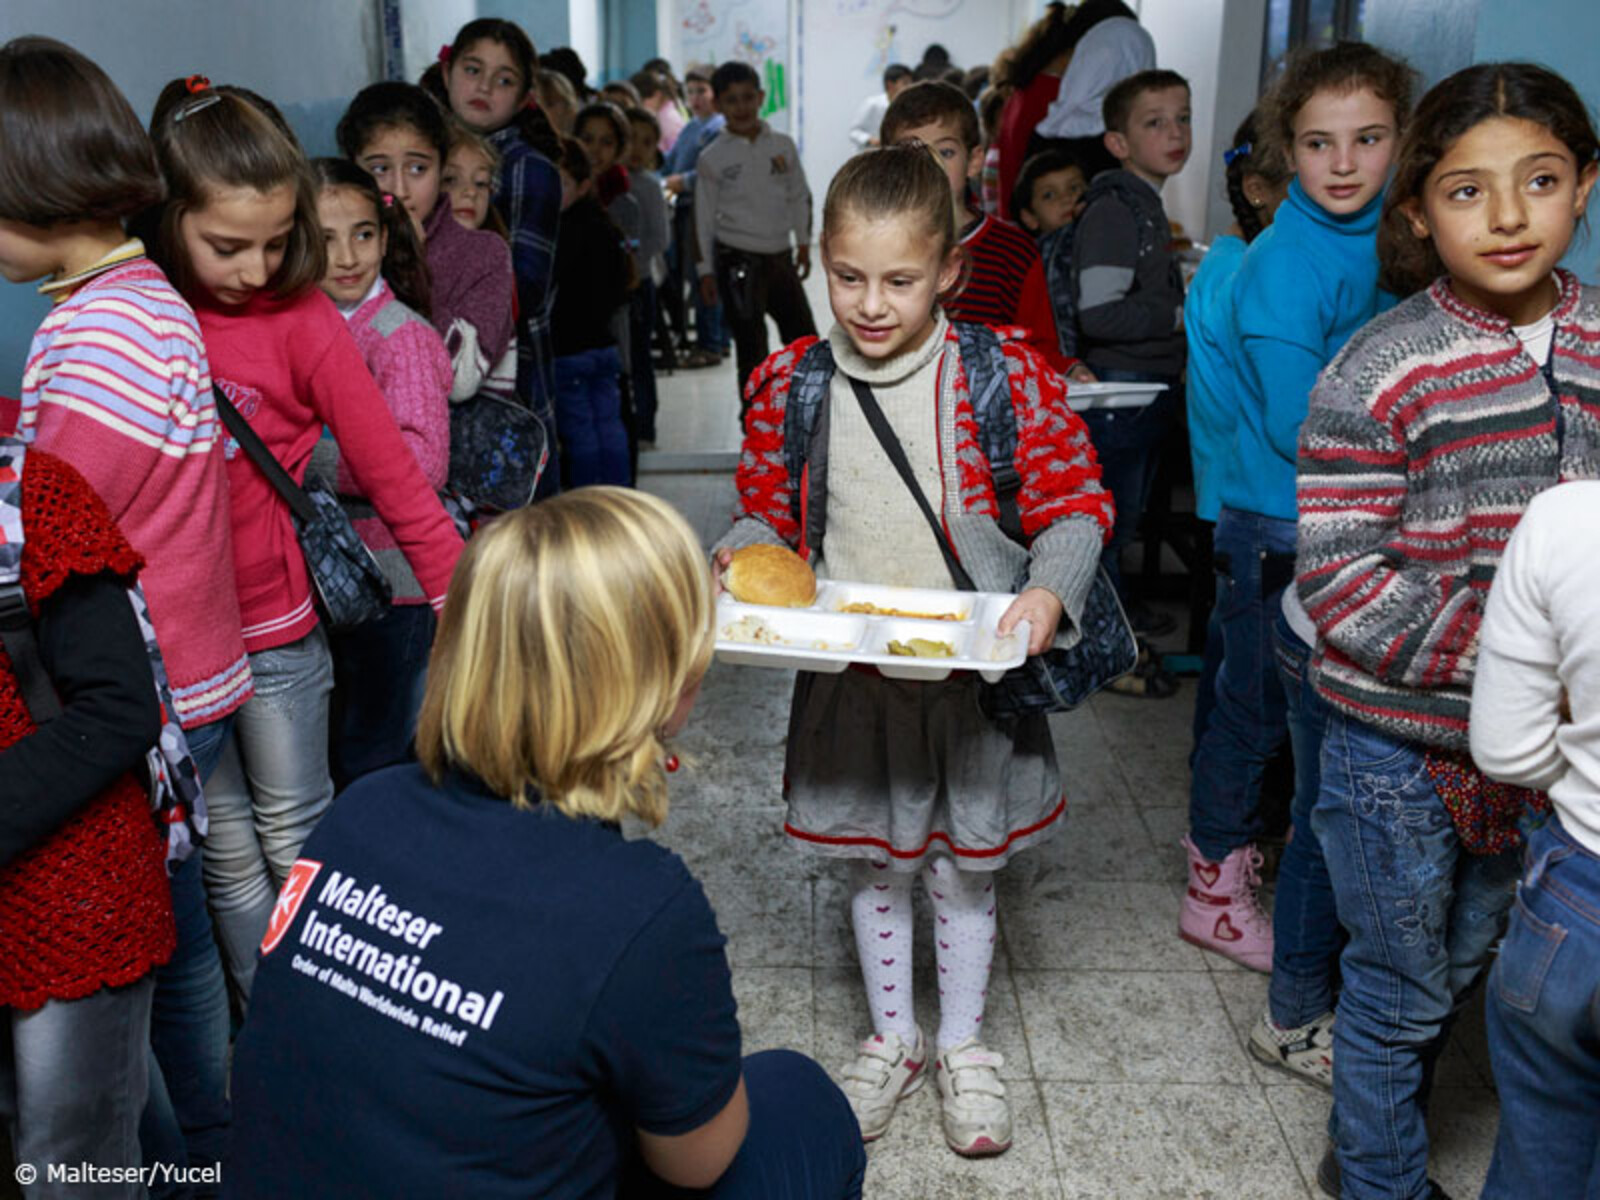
{"x": 903, "y": 776}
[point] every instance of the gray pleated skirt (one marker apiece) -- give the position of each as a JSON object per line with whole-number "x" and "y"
{"x": 895, "y": 771}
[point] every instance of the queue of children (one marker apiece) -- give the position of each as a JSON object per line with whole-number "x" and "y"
{"x": 1386, "y": 368}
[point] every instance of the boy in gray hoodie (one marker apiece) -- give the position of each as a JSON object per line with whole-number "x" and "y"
{"x": 1130, "y": 295}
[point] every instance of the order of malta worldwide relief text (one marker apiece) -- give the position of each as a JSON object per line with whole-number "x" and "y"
{"x": 393, "y": 980}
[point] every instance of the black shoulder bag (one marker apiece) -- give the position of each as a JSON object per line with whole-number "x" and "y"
{"x": 350, "y": 585}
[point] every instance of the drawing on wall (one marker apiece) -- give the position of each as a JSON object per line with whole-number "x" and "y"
{"x": 748, "y": 31}
{"x": 882, "y": 52}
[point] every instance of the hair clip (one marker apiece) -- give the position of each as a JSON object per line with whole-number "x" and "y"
{"x": 198, "y": 104}
{"x": 444, "y": 53}
{"x": 388, "y": 200}
{"x": 196, "y": 84}
{"x": 1242, "y": 150}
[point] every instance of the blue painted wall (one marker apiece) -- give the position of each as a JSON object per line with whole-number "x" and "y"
{"x": 628, "y": 35}
{"x": 1563, "y": 35}
{"x": 1439, "y": 37}
{"x": 310, "y": 56}
{"x": 546, "y": 21}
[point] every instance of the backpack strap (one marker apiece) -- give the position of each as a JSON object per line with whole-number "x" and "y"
{"x": 805, "y": 415}
{"x": 989, "y": 389}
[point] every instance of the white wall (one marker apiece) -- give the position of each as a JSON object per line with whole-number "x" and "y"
{"x": 844, "y": 47}
{"x": 583, "y": 33}
{"x": 429, "y": 25}
{"x": 1188, "y": 38}
{"x": 1237, "y": 79}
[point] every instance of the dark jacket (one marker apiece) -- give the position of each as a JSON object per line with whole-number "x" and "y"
{"x": 591, "y": 279}
{"x": 1126, "y": 281}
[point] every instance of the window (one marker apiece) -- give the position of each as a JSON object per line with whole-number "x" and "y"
{"x": 1292, "y": 24}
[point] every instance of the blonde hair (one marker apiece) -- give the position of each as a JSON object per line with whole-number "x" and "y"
{"x": 573, "y": 628}
{"x": 464, "y": 138}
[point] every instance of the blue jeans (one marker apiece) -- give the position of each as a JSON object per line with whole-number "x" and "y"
{"x": 803, "y": 1142}
{"x": 1247, "y": 723}
{"x": 187, "y": 1115}
{"x": 72, "y": 1082}
{"x": 267, "y": 794}
{"x": 1423, "y": 916}
{"x": 1127, "y": 441}
{"x": 594, "y": 444}
{"x": 1205, "y": 692}
{"x": 379, "y": 669}
{"x": 1305, "y": 925}
{"x": 1544, "y": 1027}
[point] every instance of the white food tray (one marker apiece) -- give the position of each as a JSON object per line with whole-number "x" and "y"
{"x": 824, "y": 638}
{"x": 1084, "y": 396}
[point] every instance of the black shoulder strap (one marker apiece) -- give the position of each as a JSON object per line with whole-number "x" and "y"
{"x": 282, "y": 482}
{"x": 16, "y": 634}
{"x": 897, "y": 455}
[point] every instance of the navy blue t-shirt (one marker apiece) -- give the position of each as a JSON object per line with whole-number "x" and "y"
{"x": 460, "y": 998}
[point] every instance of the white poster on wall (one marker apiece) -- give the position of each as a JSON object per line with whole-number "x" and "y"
{"x": 748, "y": 31}
{"x": 844, "y": 45}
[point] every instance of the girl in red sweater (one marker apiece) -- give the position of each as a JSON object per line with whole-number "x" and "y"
{"x": 378, "y": 280}
{"x": 85, "y": 913}
{"x": 240, "y": 237}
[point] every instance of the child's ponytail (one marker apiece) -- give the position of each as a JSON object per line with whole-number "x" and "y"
{"x": 404, "y": 268}
{"x": 1247, "y": 156}
{"x": 1520, "y": 91}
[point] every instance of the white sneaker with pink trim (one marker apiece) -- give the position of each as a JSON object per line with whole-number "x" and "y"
{"x": 977, "y": 1119}
{"x": 887, "y": 1069}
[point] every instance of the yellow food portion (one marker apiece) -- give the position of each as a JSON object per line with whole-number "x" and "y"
{"x": 922, "y": 648}
{"x": 872, "y": 610}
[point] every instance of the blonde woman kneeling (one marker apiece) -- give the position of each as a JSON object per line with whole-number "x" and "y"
{"x": 472, "y": 985}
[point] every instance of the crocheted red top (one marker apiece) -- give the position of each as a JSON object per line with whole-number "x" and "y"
{"x": 90, "y": 906}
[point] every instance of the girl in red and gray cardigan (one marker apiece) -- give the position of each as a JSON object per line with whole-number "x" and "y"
{"x": 908, "y": 777}
{"x": 1428, "y": 435}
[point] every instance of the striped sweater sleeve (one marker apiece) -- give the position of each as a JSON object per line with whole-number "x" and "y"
{"x": 117, "y": 386}
{"x": 1374, "y": 596}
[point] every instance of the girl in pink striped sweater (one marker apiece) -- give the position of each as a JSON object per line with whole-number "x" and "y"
{"x": 117, "y": 385}
{"x": 377, "y": 278}
{"x": 239, "y": 234}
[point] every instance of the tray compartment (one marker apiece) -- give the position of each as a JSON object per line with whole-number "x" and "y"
{"x": 808, "y": 640}
{"x": 832, "y": 596}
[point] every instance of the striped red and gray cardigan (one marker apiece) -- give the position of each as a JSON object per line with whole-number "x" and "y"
{"x": 1427, "y": 436}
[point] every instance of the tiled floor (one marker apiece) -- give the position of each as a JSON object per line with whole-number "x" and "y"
{"x": 1124, "y": 1046}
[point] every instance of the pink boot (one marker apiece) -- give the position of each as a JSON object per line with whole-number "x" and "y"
{"x": 1220, "y": 910}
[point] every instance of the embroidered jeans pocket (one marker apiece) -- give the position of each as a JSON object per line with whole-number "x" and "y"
{"x": 1530, "y": 947}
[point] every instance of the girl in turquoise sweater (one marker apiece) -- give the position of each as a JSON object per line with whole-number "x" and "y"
{"x": 1305, "y": 285}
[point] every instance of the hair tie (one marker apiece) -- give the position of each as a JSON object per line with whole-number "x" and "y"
{"x": 197, "y": 84}
{"x": 444, "y": 53}
{"x": 1242, "y": 150}
{"x": 388, "y": 200}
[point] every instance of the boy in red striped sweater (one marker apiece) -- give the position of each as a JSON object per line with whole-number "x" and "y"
{"x": 1006, "y": 285}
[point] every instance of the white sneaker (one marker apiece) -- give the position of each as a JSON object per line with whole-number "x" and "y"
{"x": 1305, "y": 1052}
{"x": 977, "y": 1119}
{"x": 887, "y": 1069}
